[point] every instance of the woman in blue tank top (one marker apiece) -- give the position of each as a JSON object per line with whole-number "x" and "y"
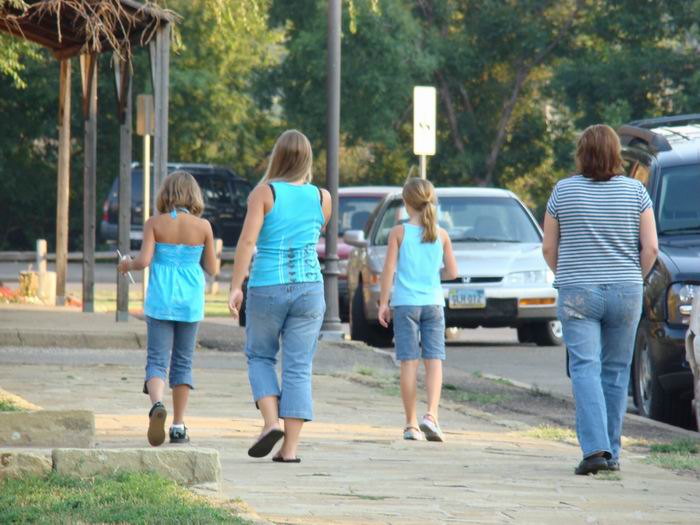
{"x": 416, "y": 252}
{"x": 284, "y": 303}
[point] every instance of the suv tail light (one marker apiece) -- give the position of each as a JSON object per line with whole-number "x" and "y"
{"x": 105, "y": 211}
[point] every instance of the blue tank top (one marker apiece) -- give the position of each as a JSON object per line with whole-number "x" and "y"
{"x": 286, "y": 247}
{"x": 176, "y": 283}
{"x": 417, "y": 281}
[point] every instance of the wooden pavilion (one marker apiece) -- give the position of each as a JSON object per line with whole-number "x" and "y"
{"x": 85, "y": 29}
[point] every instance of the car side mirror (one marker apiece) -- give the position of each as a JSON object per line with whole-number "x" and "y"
{"x": 355, "y": 238}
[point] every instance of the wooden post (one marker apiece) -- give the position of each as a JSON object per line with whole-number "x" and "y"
{"x": 212, "y": 283}
{"x": 63, "y": 186}
{"x": 124, "y": 109}
{"x": 88, "y": 70}
{"x": 160, "y": 64}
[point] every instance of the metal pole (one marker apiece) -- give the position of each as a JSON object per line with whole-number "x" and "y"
{"x": 423, "y": 167}
{"x": 146, "y": 206}
{"x": 331, "y": 328}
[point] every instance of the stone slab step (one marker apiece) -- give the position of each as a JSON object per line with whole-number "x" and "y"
{"x": 47, "y": 428}
{"x": 185, "y": 465}
{"x": 18, "y": 463}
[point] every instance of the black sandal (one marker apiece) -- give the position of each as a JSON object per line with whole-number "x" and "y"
{"x": 280, "y": 459}
{"x": 263, "y": 446}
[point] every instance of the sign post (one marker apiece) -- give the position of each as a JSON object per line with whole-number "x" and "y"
{"x": 145, "y": 126}
{"x": 424, "y": 112}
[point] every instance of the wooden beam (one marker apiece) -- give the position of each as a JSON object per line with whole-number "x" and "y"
{"x": 63, "y": 186}
{"x": 89, "y": 78}
{"x": 124, "y": 108}
{"x": 160, "y": 139}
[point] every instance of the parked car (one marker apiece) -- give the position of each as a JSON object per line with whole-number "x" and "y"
{"x": 503, "y": 278}
{"x": 355, "y": 205}
{"x": 225, "y": 202}
{"x": 664, "y": 154}
{"x": 692, "y": 354}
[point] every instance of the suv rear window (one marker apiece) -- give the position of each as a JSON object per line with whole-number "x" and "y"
{"x": 679, "y": 201}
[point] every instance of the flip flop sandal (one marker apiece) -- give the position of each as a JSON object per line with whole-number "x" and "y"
{"x": 156, "y": 425}
{"x": 280, "y": 459}
{"x": 263, "y": 446}
{"x": 412, "y": 434}
{"x": 431, "y": 429}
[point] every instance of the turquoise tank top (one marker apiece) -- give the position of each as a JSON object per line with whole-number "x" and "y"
{"x": 176, "y": 283}
{"x": 417, "y": 281}
{"x": 286, "y": 247}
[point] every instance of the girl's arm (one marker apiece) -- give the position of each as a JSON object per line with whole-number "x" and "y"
{"x": 387, "y": 277}
{"x": 254, "y": 218}
{"x": 143, "y": 259}
{"x": 648, "y": 240}
{"x": 550, "y": 243}
{"x": 209, "y": 262}
{"x": 326, "y": 207}
{"x": 450, "y": 270}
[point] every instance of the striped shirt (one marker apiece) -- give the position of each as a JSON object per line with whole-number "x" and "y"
{"x": 598, "y": 229}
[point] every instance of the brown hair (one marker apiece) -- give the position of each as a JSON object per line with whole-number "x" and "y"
{"x": 180, "y": 190}
{"x": 419, "y": 194}
{"x": 598, "y": 153}
{"x": 291, "y": 158}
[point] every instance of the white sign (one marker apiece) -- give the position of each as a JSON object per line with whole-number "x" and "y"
{"x": 424, "y": 109}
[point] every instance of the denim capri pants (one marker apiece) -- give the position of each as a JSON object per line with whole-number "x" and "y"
{"x": 286, "y": 316}
{"x": 173, "y": 343}
{"x": 419, "y": 331}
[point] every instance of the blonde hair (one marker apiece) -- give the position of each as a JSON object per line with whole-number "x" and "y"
{"x": 291, "y": 158}
{"x": 598, "y": 153}
{"x": 180, "y": 190}
{"x": 419, "y": 194}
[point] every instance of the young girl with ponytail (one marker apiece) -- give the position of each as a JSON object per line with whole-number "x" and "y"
{"x": 416, "y": 252}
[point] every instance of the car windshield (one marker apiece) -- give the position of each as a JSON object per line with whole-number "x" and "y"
{"x": 354, "y": 212}
{"x": 679, "y": 205}
{"x": 470, "y": 219}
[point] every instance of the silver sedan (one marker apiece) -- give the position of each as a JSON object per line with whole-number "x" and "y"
{"x": 503, "y": 278}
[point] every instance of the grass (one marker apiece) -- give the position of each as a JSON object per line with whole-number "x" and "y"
{"x": 552, "y": 433}
{"x": 215, "y": 305}
{"x": 126, "y": 498}
{"x": 681, "y": 455}
{"x": 8, "y": 406}
{"x": 455, "y": 393}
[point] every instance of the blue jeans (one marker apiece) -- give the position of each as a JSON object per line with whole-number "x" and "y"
{"x": 173, "y": 342}
{"x": 419, "y": 331}
{"x": 599, "y": 324}
{"x": 291, "y": 314}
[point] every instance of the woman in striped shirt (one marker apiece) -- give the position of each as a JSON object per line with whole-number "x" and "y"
{"x": 595, "y": 223}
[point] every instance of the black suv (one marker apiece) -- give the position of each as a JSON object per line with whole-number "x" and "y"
{"x": 664, "y": 154}
{"x": 225, "y": 202}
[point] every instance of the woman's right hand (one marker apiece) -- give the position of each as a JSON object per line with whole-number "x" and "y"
{"x": 235, "y": 300}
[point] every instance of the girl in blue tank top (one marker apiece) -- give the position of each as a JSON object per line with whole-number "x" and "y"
{"x": 416, "y": 252}
{"x": 177, "y": 246}
{"x": 284, "y": 302}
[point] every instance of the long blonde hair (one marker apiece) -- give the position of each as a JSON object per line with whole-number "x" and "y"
{"x": 291, "y": 158}
{"x": 419, "y": 194}
{"x": 180, "y": 190}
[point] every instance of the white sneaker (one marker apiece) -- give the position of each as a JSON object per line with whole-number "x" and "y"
{"x": 412, "y": 434}
{"x": 431, "y": 429}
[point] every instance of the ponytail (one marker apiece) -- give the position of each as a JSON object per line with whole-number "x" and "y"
{"x": 429, "y": 221}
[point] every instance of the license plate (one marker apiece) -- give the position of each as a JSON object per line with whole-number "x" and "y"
{"x": 467, "y": 299}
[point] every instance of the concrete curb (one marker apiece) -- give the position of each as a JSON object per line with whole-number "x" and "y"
{"x": 187, "y": 466}
{"x": 22, "y": 463}
{"x": 48, "y": 428}
{"x": 71, "y": 339}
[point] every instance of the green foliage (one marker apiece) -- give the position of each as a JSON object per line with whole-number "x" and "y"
{"x": 8, "y": 406}
{"x": 125, "y": 498}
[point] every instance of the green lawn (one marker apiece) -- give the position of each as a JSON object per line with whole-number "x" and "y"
{"x": 8, "y": 406}
{"x": 126, "y": 498}
{"x": 215, "y": 305}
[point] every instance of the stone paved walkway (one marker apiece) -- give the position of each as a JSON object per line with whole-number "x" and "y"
{"x": 356, "y": 469}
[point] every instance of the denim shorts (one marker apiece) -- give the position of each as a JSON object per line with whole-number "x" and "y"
{"x": 286, "y": 316}
{"x": 170, "y": 343}
{"x": 419, "y": 331}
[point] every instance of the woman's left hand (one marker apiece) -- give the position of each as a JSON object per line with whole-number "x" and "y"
{"x": 235, "y": 300}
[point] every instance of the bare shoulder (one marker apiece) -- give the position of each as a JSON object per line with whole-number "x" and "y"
{"x": 326, "y": 194}
{"x": 444, "y": 236}
{"x": 204, "y": 224}
{"x": 396, "y": 232}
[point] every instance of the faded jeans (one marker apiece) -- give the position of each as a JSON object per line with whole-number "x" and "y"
{"x": 599, "y": 324}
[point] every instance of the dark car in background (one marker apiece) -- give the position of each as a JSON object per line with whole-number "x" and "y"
{"x": 355, "y": 205}
{"x": 225, "y": 202}
{"x": 664, "y": 154}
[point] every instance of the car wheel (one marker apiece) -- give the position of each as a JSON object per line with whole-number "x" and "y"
{"x": 361, "y": 329}
{"x": 548, "y": 333}
{"x": 651, "y": 399}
